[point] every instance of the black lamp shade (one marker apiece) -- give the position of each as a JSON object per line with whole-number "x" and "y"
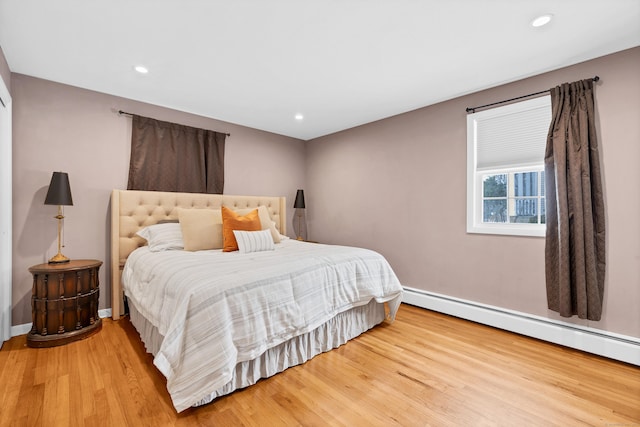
{"x": 299, "y": 203}
{"x": 59, "y": 190}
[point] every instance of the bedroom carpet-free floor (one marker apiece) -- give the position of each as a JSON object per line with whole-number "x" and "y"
{"x": 425, "y": 369}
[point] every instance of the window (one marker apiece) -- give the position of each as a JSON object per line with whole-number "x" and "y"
{"x": 505, "y": 168}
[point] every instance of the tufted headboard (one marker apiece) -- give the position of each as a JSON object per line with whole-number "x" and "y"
{"x": 132, "y": 210}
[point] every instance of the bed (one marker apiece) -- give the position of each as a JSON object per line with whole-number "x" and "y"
{"x": 219, "y": 321}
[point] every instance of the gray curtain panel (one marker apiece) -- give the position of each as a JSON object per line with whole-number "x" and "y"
{"x": 575, "y": 213}
{"x": 171, "y": 157}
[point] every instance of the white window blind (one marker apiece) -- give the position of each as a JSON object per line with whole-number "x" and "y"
{"x": 505, "y": 144}
{"x": 513, "y": 135}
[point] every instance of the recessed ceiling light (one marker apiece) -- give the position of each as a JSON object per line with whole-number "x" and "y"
{"x": 541, "y": 20}
{"x": 141, "y": 69}
{"x": 299, "y": 116}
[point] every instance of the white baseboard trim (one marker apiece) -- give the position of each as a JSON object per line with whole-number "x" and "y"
{"x": 104, "y": 313}
{"x": 26, "y": 327}
{"x": 615, "y": 346}
{"x": 20, "y": 329}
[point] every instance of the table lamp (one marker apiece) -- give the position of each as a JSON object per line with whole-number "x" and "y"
{"x": 59, "y": 193}
{"x": 299, "y": 225}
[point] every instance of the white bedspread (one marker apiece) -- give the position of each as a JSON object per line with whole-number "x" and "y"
{"x": 216, "y": 309}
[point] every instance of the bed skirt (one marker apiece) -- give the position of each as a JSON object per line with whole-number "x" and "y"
{"x": 332, "y": 334}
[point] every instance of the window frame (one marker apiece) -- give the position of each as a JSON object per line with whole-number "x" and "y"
{"x": 475, "y": 198}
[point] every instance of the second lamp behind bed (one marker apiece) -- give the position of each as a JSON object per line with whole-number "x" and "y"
{"x": 299, "y": 222}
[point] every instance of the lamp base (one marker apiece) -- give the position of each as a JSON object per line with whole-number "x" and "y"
{"x": 59, "y": 259}
{"x": 300, "y": 225}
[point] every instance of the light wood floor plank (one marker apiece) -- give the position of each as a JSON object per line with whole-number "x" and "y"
{"x": 425, "y": 369}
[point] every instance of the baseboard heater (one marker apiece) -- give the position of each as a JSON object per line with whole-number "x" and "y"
{"x": 615, "y": 346}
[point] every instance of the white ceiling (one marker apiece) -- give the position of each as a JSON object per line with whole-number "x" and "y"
{"x": 341, "y": 63}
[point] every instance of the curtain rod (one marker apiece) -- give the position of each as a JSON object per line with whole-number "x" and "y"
{"x": 473, "y": 109}
{"x": 131, "y": 114}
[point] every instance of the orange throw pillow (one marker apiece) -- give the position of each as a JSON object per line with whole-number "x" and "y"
{"x": 232, "y": 221}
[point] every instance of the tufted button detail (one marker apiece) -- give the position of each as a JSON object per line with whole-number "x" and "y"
{"x": 140, "y": 209}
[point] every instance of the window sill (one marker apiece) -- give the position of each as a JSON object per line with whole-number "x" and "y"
{"x": 508, "y": 230}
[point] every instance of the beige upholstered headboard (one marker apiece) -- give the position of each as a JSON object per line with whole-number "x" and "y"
{"x": 132, "y": 210}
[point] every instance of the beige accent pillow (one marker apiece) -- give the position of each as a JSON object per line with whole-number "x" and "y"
{"x": 201, "y": 229}
{"x": 265, "y": 221}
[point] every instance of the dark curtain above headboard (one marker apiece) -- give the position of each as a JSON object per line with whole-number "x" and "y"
{"x": 171, "y": 157}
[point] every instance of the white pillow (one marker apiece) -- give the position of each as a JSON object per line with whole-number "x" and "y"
{"x": 162, "y": 237}
{"x": 254, "y": 241}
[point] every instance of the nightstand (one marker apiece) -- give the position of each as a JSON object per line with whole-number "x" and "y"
{"x": 64, "y": 302}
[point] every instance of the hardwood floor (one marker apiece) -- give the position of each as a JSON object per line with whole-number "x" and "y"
{"x": 425, "y": 369}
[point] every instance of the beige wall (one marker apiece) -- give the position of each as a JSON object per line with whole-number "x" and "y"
{"x": 399, "y": 186}
{"x": 63, "y": 128}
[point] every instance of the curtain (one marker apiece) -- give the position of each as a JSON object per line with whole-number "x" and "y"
{"x": 170, "y": 157}
{"x": 575, "y": 239}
